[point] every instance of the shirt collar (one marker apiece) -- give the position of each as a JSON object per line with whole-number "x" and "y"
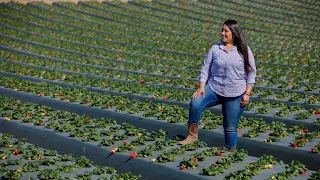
{"x": 221, "y": 46}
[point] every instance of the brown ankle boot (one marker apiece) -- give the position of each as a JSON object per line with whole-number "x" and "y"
{"x": 192, "y": 135}
{"x": 233, "y": 149}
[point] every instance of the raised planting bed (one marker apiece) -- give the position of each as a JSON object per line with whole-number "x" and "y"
{"x": 125, "y": 146}
{"x": 22, "y": 160}
{"x": 255, "y": 135}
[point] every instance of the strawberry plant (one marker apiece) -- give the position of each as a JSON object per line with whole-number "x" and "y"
{"x": 138, "y": 142}
{"x": 30, "y": 167}
{"x": 303, "y": 115}
{"x": 276, "y": 135}
{"x": 48, "y": 161}
{"x": 50, "y": 153}
{"x": 190, "y": 163}
{"x": 224, "y": 163}
{"x": 93, "y": 136}
{"x": 49, "y": 174}
{"x": 66, "y": 168}
{"x": 101, "y": 170}
{"x": 126, "y": 147}
{"x": 295, "y": 168}
{"x": 77, "y": 133}
{"x": 11, "y": 174}
{"x": 199, "y": 156}
{"x": 297, "y": 129}
{"x": 145, "y": 152}
{"x": 166, "y": 157}
{"x": 315, "y": 175}
{"x": 65, "y": 157}
{"x": 128, "y": 176}
{"x": 83, "y": 162}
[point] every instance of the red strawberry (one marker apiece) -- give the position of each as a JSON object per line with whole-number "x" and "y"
{"x": 125, "y": 142}
{"x": 162, "y": 80}
{"x": 305, "y": 131}
{"x": 303, "y": 139}
{"x": 243, "y": 135}
{"x": 153, "y": 97}
{"x": 62, "y": 99}
{"x": 317, "y": 112}
{"x": 164, "y": 98}
{"x": 195, "y": 159}
{"x": 239, "y": 129}
{"x": 294, "y": 145}
{"x": 91, "y": 100}
{"x": 133, "y": 155}
{"x": 40, "y": 157}
{"x": 42, "y": 124}
{"x": 313, "y": 149}
{"x": 113, "y": 151}
{"x": 182, "y": 167}
{"x": 16, "y": 152}
{"x": 219, "y": 153}
{"x": 29, "y": 115}
{"x": 41, "y": 94}
{"x": 89, "y": 118}
{"x": 304, "y": 172}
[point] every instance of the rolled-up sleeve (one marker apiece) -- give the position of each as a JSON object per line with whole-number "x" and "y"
{"x": 205, "y": 70}
{"x": 251, "y": 78}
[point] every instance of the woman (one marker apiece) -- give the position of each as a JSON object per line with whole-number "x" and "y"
{"x": 227, "y": 77}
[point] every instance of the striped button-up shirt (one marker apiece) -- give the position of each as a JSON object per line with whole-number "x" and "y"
{"x": 224, "y": 71}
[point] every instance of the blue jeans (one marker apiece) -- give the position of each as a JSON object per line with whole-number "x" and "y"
{"x": 231, "y": 112}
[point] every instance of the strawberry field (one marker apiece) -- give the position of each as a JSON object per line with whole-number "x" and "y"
{"x": 101, "y": 90}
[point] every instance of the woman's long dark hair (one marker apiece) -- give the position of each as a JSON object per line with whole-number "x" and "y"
{"x": 240, "y": 41}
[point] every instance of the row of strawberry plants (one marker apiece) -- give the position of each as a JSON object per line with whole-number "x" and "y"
{"x": 160, "y": 111}
{"x": 90, "y": 126}
{"x": 295, "y": 56}
{"x": 21, "y": 160}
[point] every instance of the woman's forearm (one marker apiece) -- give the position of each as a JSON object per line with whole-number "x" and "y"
{"x": 202, "y": 84}
{"x": 248, "y": 89}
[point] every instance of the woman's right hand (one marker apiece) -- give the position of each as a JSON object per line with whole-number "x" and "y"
{"x": 198, "y": 92}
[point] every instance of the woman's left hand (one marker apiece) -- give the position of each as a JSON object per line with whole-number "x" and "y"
{"x": 245, "y": 100}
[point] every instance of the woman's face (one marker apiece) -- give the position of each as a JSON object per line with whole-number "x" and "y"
{"x": 226, "y": 34}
